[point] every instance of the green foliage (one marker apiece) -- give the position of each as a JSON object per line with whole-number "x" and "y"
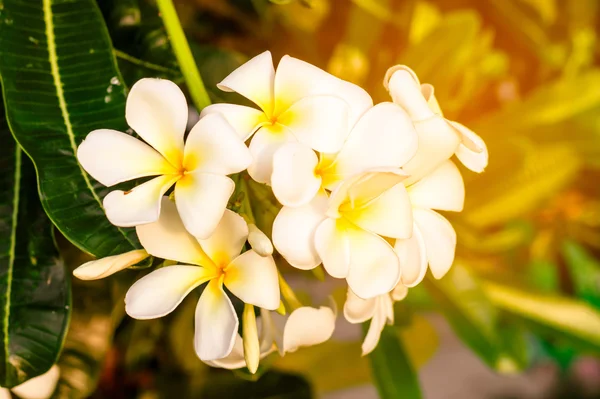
{"x": 34, "y": 288}
{"x": 60, "y": 82}
{"x": 393, "y": 373}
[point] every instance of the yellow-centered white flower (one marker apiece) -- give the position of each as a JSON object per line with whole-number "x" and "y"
{"x": 345, "y": 232}
{"x": 305, "y": 326}
{"x": 298, "y": 102}
{"x": 380, "y": 310}
{"x": 433, "y": 240}
{"x": 439, "y": 138}
{"x": 40, "y": 387}
{"x": 384, "y": 136}
{"x": 216, "y": 261}
{"x": 157, "y": 110}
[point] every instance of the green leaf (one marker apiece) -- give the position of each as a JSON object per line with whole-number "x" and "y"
{"x": 60, "y": 82}
{"x": 572, "y": 320}
{"x": 473, "y": 317}
{"x": 584, "y": 270}
{"x": 34, "y": 289}
{"x": 393, "y": 373}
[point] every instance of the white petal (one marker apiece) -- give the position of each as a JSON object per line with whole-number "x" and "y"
{"x": 320, "y": 122}
{"x": 253, "y": 80}
{"x": 375, "y": 328}
{"x": 160, "y": 292}
{"x": 438, "y": 141}
{"x": 157, "y": 110}
{"x": 413, "y": 258}
{"x": 259, "y": 241}
{"x": 374, "y": 266}
{"x": 214, "y": 147}
{"x": 294, "y": 180}
{"x": 472, "y": 151}
{"x": 167, "y": 238}
{"x": 333, "y": 247}
{"x": 294, "y": 232}
{"x": 5, "y": 394}
{"x": 383, "y": 137}
{"x": 140, "y": 205}
{"x": 389, "y": 215}
{"x": 235, "y": 359}
{"x": 296, "y": 79}
{"x": 400, "y": 292}
{"x": 40, "y": 387}
{"x": 263, "y": 145}
{"x": 308, "y": 326}
{"x": 439, "y": 238}
{"x": 245, "y": 120}
{"x": 112, "y": 157}
{"x": 216, "y": 323}
{"x": 253, "y": 279}
{"x": 104, "y": 267}
{"x": 201, "y": 199}
{"x": 441, "y": 189}
{"x": 429, "y": 94}
{"x": 227, "y": 240}
{"x": 406, "y": 92}
{"x": 358, "y": 310}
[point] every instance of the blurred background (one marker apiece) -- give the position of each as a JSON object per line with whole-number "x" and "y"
{"x": 512, "y": 319}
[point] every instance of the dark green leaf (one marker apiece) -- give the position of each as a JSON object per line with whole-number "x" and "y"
{"x": 60, "y": 82}
{"x": 473, "y": 317}
{"x": 393, "y": 374}
{"x": 585, "y": 272}
{"x": 34, "y": 289}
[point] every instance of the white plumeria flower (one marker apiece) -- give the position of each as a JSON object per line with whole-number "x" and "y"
{"x": 439, "y": 138}
{"x": 305, "y": 326}
{"x": 433, "y": 240}
{"x": 40, "y": 387}
{"x": 157, "y": 110}
{"x": 104, "y": 267}
{"x": 345, "y": 231}
{"x": 216, "y": 260}
{"x": 299, "y": 102}
{"x": 380, "y": 310}
{"x": 384, "y": 136}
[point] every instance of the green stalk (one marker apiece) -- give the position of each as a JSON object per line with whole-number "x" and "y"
{"x": 184, "y": 54}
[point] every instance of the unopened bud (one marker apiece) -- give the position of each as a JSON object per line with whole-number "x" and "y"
{"x": 259, "y": 241}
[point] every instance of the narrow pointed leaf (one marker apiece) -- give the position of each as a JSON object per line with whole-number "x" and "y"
{"x": 34, "y": 288}
{"x": 60, "y": 82}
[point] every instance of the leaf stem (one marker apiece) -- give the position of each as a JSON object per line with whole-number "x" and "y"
{"x": 288, "y": 293}
{"x": 145, "y": 64}
{"x": 184, "y": 54}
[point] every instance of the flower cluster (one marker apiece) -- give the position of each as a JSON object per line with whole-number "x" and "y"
{"x": 360, "y": 186}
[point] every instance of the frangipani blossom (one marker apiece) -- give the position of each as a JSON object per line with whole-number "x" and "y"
{"x": 380, "y": 310}
{"x": 298, "y": 102}
{"x": 305, "y": 326}
{"x": 433, "y": 240}
{"x": 384, "y": 136}
{"x": 345, "y": 232}
{"x": 157, "y": 110}
{"x": 216, "y": 261}
{"x": 439, "y": 138}
{"x": 104, "y": 267}
{"x": 40, "y": 387}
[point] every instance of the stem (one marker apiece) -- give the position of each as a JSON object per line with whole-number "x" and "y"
{"x": 288, "y": 293}
{"x": 184, "y": 54}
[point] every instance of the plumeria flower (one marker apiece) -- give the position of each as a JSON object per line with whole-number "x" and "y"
{"x": 380, "y": 310}
{"x": 439, "y": 138}
{"x": 305, "y": 326}
{"x": 216, "y": 261}
{"x": 298, "y": 102}
{"x": 157, "y": 110}
{"x": 383, "y": 137}
{"x": 40, "y": 387}
{"x": 433, "y": 240}
{"x": 345, "y": 232}
{"x": 104, "y": 267}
